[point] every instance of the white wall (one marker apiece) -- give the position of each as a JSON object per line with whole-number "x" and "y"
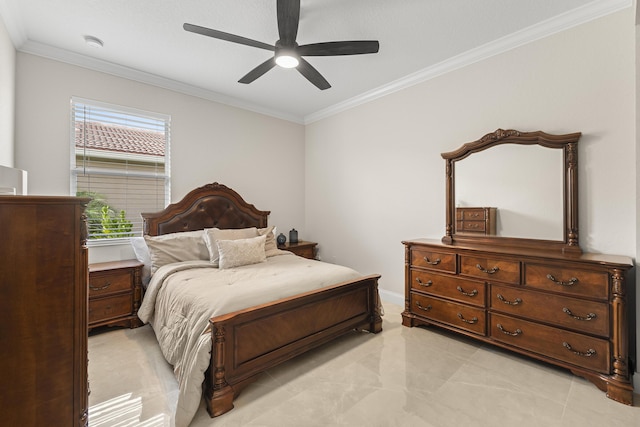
{"x": 260, "y": 157}
{"x": 7, "y": 96}
{"x": 375, "y": 175}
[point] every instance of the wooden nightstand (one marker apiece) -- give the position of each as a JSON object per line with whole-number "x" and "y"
{"x": 302, "y": 248}
{"x": 115, "y": 293}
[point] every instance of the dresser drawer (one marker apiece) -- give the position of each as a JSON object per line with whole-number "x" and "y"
{"x": 585, "y": 316}
{"x": 101, "y": 309}
{"x": 108, "y": 282}
{"x": 461, "y": 316}
{"x": 471, "y": 226}
{"x": 452, "y": 287}
{"x": 577, "y": 349}
{"x": 571, "y": 281}
{"x": 471, "y": 214}
{"x": 422, "y": 257}
{"x": 490, "y": 269}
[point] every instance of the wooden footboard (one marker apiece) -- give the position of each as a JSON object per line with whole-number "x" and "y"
{"x": 248, "y": 342}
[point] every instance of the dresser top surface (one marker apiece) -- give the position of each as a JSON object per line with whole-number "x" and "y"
{"x": 619, "y": 261}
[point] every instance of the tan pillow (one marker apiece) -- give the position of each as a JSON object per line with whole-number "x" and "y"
{"x": 176, "y": 247}
{"x": 236, "y": 253}
{"x": 211, "y": 235}
{"x": 270, "y": 245}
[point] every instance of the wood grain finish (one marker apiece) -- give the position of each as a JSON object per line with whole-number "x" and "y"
{"x": 301, "y": 248}
{"x": 565, "y": 309}
{"x": 476, "y": 220}
{"x": 115, "y": 293}
{"x": 43, "y": 311}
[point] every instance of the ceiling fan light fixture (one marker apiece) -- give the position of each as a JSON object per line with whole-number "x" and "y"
{"x": 287, "y": 60}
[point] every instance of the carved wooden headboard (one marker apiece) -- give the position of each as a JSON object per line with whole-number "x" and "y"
{"x": 212, "y": 205}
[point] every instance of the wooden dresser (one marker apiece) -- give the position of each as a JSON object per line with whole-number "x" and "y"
{"x": 568, "y": 310}
{"x": 476, "y": 220}
{"x": 43, "y": 311}
{"x": 115, "y": 293}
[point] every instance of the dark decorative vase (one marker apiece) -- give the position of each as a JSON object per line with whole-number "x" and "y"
{"x": 281, "y": 239}
{"x": 293, "y": 236}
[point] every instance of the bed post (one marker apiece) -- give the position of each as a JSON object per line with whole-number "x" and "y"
{"x": 219, "y": 398}
{"x": 376, "y": 315}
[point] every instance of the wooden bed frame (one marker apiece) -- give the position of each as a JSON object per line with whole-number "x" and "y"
{"x": 245, "y": 343}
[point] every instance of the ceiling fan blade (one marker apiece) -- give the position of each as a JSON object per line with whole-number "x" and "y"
{"x": 227, "y": 37}
{"x": 312, "y": 75}
{"x": 258, "y": 71}
{"x": 288, "y": 19}
{"x": 355, "y": 47}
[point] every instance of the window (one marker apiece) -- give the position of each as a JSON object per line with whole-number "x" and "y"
{"x": 120, "y": 160}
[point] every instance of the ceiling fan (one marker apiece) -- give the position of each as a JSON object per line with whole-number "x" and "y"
{"x": 287, "y": 52}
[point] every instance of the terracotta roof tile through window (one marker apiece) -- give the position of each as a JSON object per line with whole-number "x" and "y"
{"x": 100, "y": 136}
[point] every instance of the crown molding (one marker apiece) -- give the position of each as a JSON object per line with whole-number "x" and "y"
{"x": 567, "y": 20}
{"x": 559, "y": 23}
{"x": 79, "y": 60}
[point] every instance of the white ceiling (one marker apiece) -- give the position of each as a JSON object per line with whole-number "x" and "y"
{"x": 144, "y": 40}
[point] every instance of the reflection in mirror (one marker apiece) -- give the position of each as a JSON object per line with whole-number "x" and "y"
{"x": 530, "y": 196}
{"x": 524, "y": 183}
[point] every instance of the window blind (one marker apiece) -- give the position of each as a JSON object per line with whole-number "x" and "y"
{"x": 120, "y": 160}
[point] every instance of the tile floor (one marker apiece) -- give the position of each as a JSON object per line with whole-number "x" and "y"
{"x": 400, "y": 377}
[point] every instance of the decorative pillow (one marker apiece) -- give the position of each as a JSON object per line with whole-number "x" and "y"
{"x": 176, "y": 247}
{"x": 270, "y": 245}
{"x": 141, "y": 250}
{"x": 235, "y": 253}
{"x": 211, "y": 235}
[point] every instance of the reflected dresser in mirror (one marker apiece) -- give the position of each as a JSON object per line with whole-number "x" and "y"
{"x": 545, "y": 299}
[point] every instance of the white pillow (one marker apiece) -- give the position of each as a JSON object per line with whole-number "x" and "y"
{"x": 141, "y": 250}
{"x": 270, "y": 245}
{"x": 211, "y": 235}
{"x": 239, "y": 252}
{"x": 176, "y": 247}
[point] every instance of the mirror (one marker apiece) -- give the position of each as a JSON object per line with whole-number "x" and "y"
{"x": 514, "y": 188}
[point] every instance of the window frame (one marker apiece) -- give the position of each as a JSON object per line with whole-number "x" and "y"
{"x": 76, "y": 170}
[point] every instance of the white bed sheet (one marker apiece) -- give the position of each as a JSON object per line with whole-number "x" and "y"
{"x": 182, "y": 297}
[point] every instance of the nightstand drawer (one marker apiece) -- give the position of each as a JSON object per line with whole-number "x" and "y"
{"x": 110, "y": 308}
{"x": 115, "y": 293}
{"x": 109, "y": 282}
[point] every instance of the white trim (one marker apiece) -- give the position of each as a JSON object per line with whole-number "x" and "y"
{"x": 73, "y": 58}
{"x": 565, "y": 21}
{"x": 570, "y": 19}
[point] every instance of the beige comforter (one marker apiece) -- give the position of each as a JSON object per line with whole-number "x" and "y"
{"x": 182, "y": 297}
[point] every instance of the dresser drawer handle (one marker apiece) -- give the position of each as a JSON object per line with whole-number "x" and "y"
{"x": 517, "y": 301}
{"x": 571, "y": 281}
{"x": 484, "y": 270}
{"x": 589, "y": 316}
{"x": 513, "y": 334}
{"x": 589, "y": 353}
{"x": 436, "y": 262}
{"x": 473, "y": 293}
{"x": 427, "y": 308}
{"x": 421, "y": 283}
{"x": 471, "y": 322}
{"x": 99, "y": 288}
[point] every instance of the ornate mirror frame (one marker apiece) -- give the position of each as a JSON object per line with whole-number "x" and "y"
{"x": 568, "y": 143}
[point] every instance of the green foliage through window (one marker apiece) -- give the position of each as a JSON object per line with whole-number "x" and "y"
{"x": 103, "y": 221}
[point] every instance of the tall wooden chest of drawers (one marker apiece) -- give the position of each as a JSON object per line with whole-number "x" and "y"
{"x": 568, "y": 310}
{"x": 43, "y": 311}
